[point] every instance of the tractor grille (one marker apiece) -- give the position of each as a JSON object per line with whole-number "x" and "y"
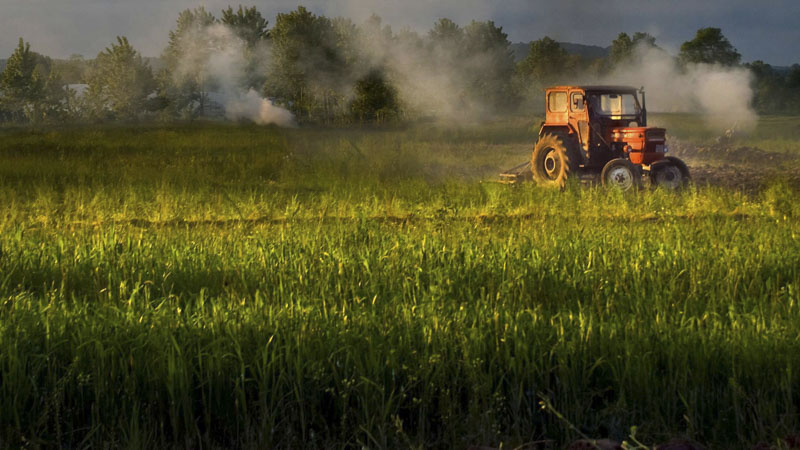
{"x": 656, "y": 141}
{"x": 656, "y": 135}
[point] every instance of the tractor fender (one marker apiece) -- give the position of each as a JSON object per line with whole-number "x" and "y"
{"x": 556, "y": 129}
{"x": 671, "y": 160}
{"x": 567, "y": 131}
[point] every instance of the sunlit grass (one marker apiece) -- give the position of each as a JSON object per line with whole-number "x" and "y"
{"x": 238, "y": 286}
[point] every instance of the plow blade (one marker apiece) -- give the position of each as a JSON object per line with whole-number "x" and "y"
{"x": 516, "y": 174}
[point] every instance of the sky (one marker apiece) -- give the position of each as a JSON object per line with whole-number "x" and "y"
{"x": 767, "y": 30}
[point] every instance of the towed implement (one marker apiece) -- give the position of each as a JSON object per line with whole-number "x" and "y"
{"x": 592, "y": 131}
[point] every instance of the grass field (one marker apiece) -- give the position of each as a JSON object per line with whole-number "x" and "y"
{"x": 218, "y": 286}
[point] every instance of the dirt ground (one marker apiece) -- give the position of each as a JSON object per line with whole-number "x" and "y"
{"x": 737, "y": 167}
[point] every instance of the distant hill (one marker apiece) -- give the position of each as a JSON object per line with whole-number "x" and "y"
{"x": 782, "y": 70}
{"x": 520, "y": 50}
{"x": 2, "y": 64}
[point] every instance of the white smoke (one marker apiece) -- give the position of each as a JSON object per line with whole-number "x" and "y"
{"x": 431, "y": 78}
{"x": 218, "y": 58}
{"x": 253, "y": 106}
{"x": 723, "y": 95}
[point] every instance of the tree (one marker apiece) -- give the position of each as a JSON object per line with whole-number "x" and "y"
{"x": 375, "y": 99}
{"x": 766, "y": 84}
{"x": 446, "y": 43}
{"x": 72, "y": 70}
{"x": 547, "y": 62}
{"x": 709, "y": 46}
{"x": 489, "y": 65}
{"x": 247, "y": 24}
{"x": 446, "y": 33}
{"x": 793, "y": 77}
{"x": 183, "y": 81}
{"x": 307, "y": 69}
{"x": 58, "y": 101}
{"x": 468, "y": 64}
{"x": 623, "y": 47}
{"x": 22, "y": 84}
{"x": 773, "y": 91}
{"x": 644, "y": 39}
{"x": 371, "y": 42}
{"x": 793, "y": 84}
{"x": 119, "y": 82}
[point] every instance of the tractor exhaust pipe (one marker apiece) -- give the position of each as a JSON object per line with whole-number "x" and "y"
{"x": 644, "y": 107}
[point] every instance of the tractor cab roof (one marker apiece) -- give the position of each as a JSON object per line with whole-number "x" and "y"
{"x": 598, "y": 88}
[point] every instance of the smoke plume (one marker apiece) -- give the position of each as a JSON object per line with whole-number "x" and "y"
{"x": 723, "y": 95}
{"x": 446, "y": 79}
{"x": 222, "y": 63}
{"x": 253, "y": 106}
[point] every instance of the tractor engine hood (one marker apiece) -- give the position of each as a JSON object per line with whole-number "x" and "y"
{"x": 644, "y": 145}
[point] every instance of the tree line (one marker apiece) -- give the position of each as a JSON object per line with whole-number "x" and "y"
{"x": 332, "y": 70}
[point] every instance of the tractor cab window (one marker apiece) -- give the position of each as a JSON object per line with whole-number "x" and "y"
{"x": 557, "y": 102}
{"x": 577, "y": 101}
{"x": 615, "y": 106}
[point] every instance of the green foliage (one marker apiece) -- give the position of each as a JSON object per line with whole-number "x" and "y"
{"x": 375, "y": 100}
{"x": 32, "y": 90}
{"x": 58, "y": 102}
{"x": 22, "y": 83}
{"x": 793, "y": 78}
{"x": 119, "y": 83}
{"x": 322, "y": 69}
{"x": 623, "y": 47}
{"x": 709, "y": 46}
{"x": 183, "y": 81}
{"x": 306, "y": 66}
{"x": 547, "y": 63}
{"x": 489, "y": 66}
{"x": 72, "y": 70}
{"x": 775, "y": 92}
{"x": 248, "y": 24}
{"x": 781, "y": 199}
{"x": 446, "y": 33}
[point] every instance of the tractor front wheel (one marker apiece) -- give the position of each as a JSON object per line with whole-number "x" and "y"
{"x": 553, "y": 161}
{"x": 670, "y": 173}
{"x": 620, "y": 174}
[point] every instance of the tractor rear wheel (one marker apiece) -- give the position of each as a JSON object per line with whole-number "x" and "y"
{"x": 620, "y": 174}
{"x": 554, "y": 160}
{"x": 671, "y": 173}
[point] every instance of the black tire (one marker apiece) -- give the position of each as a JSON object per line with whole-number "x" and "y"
{"x": 670, "y": 173}
{"x": 620, "y": 174}
{"x": 554, "y": 160}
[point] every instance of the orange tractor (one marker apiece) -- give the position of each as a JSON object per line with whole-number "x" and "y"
{"x": 591, "y": 130}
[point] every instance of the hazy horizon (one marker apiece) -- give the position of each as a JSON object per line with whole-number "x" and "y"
{"x": 60, "y": 29}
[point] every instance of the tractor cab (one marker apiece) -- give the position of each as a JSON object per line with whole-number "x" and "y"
{"x": 602, "y": 130}
{"x": 606, "y": 122}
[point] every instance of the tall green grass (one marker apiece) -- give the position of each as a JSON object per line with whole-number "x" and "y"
{"x": 223, "y": 286}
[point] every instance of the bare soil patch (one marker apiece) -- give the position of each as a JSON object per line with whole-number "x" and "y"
{"x": 733, "y": 166}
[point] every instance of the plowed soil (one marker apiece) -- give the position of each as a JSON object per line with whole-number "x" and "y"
{"x": 737, "y": 167}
